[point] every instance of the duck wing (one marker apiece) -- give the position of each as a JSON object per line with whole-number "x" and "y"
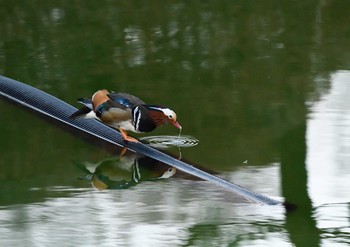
{"x": 125, "y": 100}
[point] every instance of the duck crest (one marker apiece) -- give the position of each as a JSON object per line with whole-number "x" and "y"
{"x": 100, "y": 97}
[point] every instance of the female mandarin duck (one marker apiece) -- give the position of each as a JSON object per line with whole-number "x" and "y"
{"x": 126, "y": 113}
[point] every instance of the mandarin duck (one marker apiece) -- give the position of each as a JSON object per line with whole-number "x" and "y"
{"x": 126, "y": 112}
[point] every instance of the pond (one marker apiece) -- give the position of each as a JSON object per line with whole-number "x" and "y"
{"x": 263, "y": 87}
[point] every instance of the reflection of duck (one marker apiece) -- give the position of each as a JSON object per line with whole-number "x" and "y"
{"x": 126, "y": 113}
{"x": 126, "y": 172}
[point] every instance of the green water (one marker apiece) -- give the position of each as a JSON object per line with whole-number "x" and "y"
{"x": 263, "y": 86}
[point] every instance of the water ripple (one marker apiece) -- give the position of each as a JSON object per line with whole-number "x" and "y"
{"x": 166, "y": 141}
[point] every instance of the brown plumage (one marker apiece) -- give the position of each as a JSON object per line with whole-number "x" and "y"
{"x": 127, "y": 112}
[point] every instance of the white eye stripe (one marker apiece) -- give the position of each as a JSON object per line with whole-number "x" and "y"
{"x": 170, "y": 113}
{"x": 155, "y": 108}
{"x": 166, "y": 111}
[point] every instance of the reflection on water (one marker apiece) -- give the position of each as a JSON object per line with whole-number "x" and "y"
{"x": 329, "y": 142}
{"x": 172, "y": 212}
{"x": 328, "y": 139}
{"x": 125, "y": 172}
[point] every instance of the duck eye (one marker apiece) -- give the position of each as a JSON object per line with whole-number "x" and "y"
{"x": 170, "y": 116}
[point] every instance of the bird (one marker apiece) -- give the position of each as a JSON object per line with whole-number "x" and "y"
{"x": 126, "y": 112}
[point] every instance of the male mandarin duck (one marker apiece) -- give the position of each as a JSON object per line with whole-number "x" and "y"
{"x": 126, "y": 113}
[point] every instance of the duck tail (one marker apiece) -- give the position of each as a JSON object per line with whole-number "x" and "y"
{"x": 83, "y": 111}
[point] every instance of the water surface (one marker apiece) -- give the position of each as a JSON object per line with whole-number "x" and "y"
{"x": 263, "y": 86}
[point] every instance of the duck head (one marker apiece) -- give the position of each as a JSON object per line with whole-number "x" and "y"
{"x": 162, "y": 115}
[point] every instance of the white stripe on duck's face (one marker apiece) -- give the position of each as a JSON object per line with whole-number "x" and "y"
{"x": 168, "y": 113}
